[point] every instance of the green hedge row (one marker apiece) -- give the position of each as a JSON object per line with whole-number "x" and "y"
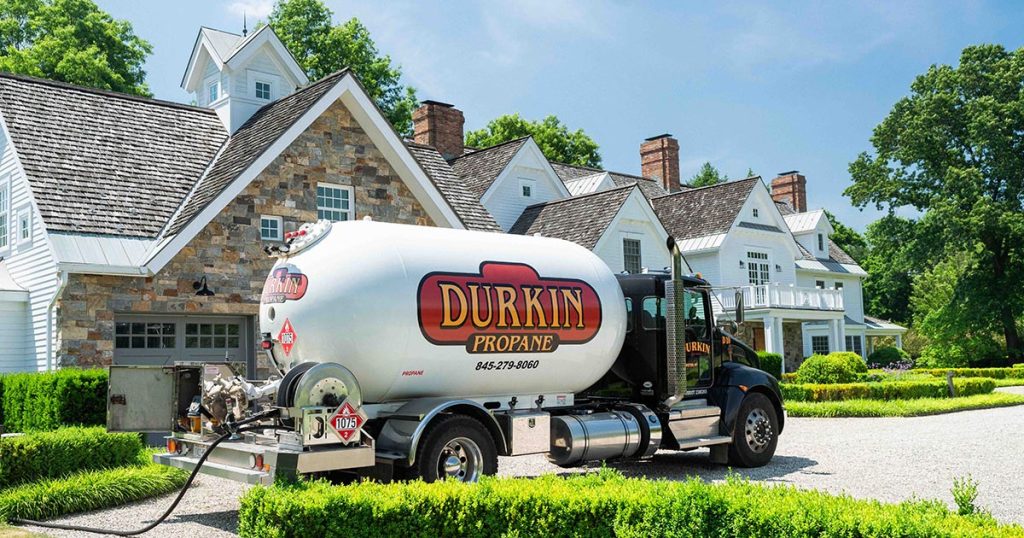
{"x": 996, "y": 373}
{"x": 35, "y": 456}
{"x": 901, "y": 408}
{"x": 596, "y": 504}
{"x": 47, "y": 401}
{"x": 892, "y": 390}
{"x": 771, "y": 363}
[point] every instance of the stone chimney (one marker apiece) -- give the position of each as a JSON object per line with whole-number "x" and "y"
{"x": 659, "y": 159}
{"x": 439, "y": 125}
{"x": 791, "y": 187}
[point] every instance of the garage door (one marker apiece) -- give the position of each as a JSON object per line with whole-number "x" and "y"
{"x": 162, "y": 340}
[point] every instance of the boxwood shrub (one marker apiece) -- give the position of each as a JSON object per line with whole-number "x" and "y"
{"x": 594, "y": 504}
{"x": 826, "y": 369}
{"x": 34, "y": 456}
{"x": 996, "y": 373}
{"x": 47, "y": 401}
{"x": 887, "y": 356}
{"x": 771, "y": 363}
{"x": 891, "y": 390}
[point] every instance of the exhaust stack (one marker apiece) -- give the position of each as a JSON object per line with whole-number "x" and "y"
{"x": 675, "y": 328}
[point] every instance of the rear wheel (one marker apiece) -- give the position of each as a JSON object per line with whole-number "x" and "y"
{"x": 455, "y": 446}
{"x": 756, "y": 433}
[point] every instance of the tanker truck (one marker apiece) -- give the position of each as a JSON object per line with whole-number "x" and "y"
{"x": 410, "y": 351}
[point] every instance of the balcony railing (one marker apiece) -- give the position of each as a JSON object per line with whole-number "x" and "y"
{"x": 781, "y": 296}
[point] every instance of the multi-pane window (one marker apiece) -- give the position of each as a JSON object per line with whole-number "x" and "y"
{"x": 24, "y": 226}
{"x": 755, "y": 212}
{"x": 526, "y": 187}
{"x": 5, "y": 213}
{"x": 853, "y": 344}
{"x": 214, "y": 90}
{"x": 262, "y": 90}
{"x": 820, "y": 284}
{"x": 757, "y": 267}
{"x": 333, "y": 202}
{"x": 143, "y": 335}
{"x": 631, "y": 255}
{"x": 819, "y": 345}
{"x": 212, "y": 335}
{"x": 270, "y": 228}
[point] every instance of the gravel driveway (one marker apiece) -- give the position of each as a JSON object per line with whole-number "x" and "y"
{"x": 886, "y": 459}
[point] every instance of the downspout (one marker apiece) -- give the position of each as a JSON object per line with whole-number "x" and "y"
{"x": 62, "y": 282}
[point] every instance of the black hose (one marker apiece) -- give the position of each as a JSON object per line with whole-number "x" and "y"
{"x": 181, "y": 493}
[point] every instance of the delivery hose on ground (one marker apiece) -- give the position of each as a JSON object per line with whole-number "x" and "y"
{"x": 236, "y": 428}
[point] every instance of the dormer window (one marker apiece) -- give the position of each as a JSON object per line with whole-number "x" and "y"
{"x": 262, "y": 90}
{"x": 821, "y": 241}
{"x": 213, "y": 90}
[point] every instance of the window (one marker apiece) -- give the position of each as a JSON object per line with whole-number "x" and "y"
{"x": 653, "y": 313}
{"x": 270, "y": 228}
{"x": 839, "y": 286}
{"x": 526, "y": 187}
{"x": 143, "y": 335}
{"x": 629, "y": 314}
{"x": 755, "y": 212}
{"x": 821, "y": 241}
{"x": 631, "y": 255}
{"x": 24, "y": 226}
{"x": 820, "y": 284}
{"x": 819, "y": 345}
{"x": 759, "y": 274}
{"x": 853, "y": 344}
{"x": 212, "y": 335}
{"x": 5, "y": 213}
{"x": 214, "y": 90}
{"x": 262, "y": 90}
{"x": 333, "y": 202}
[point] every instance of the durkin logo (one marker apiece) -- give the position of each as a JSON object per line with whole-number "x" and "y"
{"x": 507, "y": 308}
{"x": 283, "y": 285}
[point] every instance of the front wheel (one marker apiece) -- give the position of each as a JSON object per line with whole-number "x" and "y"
{"x": 455, "y": 446}
{"x": 756, "y": 433}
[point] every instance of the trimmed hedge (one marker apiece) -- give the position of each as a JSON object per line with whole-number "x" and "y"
{"x": 771, "y": 363}
{"x": 826, "y": 369}
{"x": 595, "y": 504}
{"x": 891, "y": 390}
{"x": 35, "y": 456}
{"x": 86, "y": 491}
{"x": 996, "y": 373}
{"x": 888, "y": 355}
{"x": 47, "y": 401}
{"x": 901, "y": 408}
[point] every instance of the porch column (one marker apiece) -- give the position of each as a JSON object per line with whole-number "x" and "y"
{"x": 841, "y": 324}
{"x": 773, "y": 335}
{"x": 833, "y": 335}
{"x": 899, "y": 341}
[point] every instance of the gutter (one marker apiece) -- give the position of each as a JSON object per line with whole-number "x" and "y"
{"x": 62, "y": 282}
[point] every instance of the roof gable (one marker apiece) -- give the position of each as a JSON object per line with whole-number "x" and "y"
{"x": 529, "y": 157}
{"x": 466, "y": 205}
{"x": 580, "y": 219}
{"x": 570, "y": 172}
{"x": 479, "y": 169}
{"x": 231, "y": 50}
{"x": 703, "y": 211}
{"x": 809, "y": 221}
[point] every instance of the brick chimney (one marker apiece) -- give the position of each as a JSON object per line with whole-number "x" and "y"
{"x": 791, "y": 187}
{"x": 439, "y": 125}
{"x": 659, "y": 159}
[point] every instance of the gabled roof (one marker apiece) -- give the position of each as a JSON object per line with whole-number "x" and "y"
{"x": 479, "y": 169}
{"x": 874, "y": 324}
{"x": 467, "y": 206}
{"x": 806, "y": 221}
{"x": 586, "y": 184}
{"x": 102, "y": 162}
{"x": 570, "y": 172}
{"x": 224, "y": 44}
{"x": 835, "y": 253}
{"x": 580, "y": 219}
{"x": 703, "y": 211}
{"x": 223, "y": 48}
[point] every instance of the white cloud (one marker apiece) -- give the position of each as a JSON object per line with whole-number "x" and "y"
{"x": 253, "y": 10}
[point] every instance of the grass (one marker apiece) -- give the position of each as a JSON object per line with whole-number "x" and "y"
{"x": 901, "y": 408}
{"x": 86, "y": 491}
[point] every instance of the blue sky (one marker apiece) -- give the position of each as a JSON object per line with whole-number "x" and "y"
{"x": 770, "y": 86}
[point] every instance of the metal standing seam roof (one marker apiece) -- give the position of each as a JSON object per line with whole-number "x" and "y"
{"x": 103, "y": 162}
{"x": 835, "y": 253}
{"x": 804, "y": 222}
{"x": 466, "y": 206}
{"x": 703, "y": 211}
{"x": 570, "y": 172}
{"x": 580, "y": 219}
{"x": 479, "y": 169}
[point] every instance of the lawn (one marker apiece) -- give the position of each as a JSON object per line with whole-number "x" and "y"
{"x": 901, "y": 408}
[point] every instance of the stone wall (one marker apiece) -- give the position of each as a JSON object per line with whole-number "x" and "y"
{"x": 228, "y": 251}
{"x": 793, "y": 345}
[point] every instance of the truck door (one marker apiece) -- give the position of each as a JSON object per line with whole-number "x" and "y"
{"x": 698, "y": 343}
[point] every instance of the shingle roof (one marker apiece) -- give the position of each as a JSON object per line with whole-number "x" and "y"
{"x": 247, "y": 144}
{"x": 580, "y": 219}
{"x": 103, "y": 162}
{"x": 480, "y": 168}
{"x": 649, "y": 187}
{"x": 705, "y": 210}
{"x": 466, "y": 206}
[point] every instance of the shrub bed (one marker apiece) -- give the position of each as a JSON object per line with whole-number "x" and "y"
{"x": 47, "y": 401}
{"x": 887, "y": 356}
{"x": 901, "y": 408}
{"x": 771, "y": 363}
{"x": 90, "y": 490}
{"x": 891, "y": 390}
{"x": 40, "y": 455}
{"x": 995, "y": 373}
{"x": 596, "y": 504}
{"x": 839, "y": 367}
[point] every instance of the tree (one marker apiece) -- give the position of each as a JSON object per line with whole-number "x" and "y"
{"x": 891, "y": 263}
{"x": 72, "y": 41}
{"x": 321, "y": 48}
{"x": 954, "y": 150}
{"x": 553, "y": 137}
{"x": 750, "y": 172}
{"x": 707, "y": 175}
{"x": 848, "y": 239}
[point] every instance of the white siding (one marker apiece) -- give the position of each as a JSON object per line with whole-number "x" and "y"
{"x": 31, "y": 266}
{"x": 633, "y": 223}
{"x": 504, "y": 199}
{"x": 853, "y": 293}
{"x": 14, "y": 341}
{"x": 779, "y": 246}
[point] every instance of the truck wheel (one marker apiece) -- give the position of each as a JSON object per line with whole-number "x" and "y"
{"x": 756, "y": 433}
{"x": 455, "y": 446}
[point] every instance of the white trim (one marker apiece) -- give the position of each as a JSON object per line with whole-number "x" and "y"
{"x": 510, "y": 167}
{"x": 7, "y": 238}
{"x": 280, "y": 227}
{"x": 24, "y": 225}
{"x": 652, "y": 217}
{"x": 527, "y": 183}
{"x": 242, "y": 55}
{"x": 383, "y": 136}
{"x": 350, "y": 213}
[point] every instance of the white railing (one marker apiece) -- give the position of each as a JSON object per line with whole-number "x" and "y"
{"x": 781, "y": 296}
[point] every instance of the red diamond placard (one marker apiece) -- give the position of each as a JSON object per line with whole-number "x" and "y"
{"x": 287, "y": 337}
{"x": 346, "y": 421}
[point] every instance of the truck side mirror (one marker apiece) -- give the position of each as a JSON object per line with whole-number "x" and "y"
{"x": 739, "y": 307}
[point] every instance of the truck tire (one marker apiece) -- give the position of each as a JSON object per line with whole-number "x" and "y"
{"x": 455, "y": 446}
{"x": 756, "y": 433}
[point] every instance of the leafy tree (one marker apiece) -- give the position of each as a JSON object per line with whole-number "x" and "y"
{"x": 848, "y": 239}
{"x": 891, "y": 263}
{"x": 72, "y": 41}
{"x": 707, "y": 175}
{"x": 750, "y": 172}
{"x": 321, "y": 48}
{"x": 954, "y": 150}
{"x": 553, "y": 137}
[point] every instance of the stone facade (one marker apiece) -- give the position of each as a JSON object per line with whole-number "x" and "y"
{"x": 792, "y": 341}
{"x": 228, "y": 250}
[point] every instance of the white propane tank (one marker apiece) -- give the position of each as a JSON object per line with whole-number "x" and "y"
{"x": 417, "y": 311}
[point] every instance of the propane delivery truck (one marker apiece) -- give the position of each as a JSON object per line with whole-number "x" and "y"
{"x": 405, "y": 351}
